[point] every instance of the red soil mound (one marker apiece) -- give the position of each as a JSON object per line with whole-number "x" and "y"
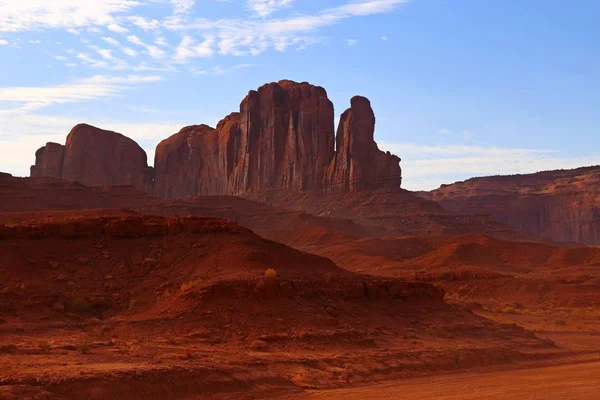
{"x": 26, "y": 199}
{"x": 480, "y": 268}
{"x": 35, "y": 194}
{"x": 387, "y": 213}
{"x": 94, "y": 257}
{"x": 103, "y": 305}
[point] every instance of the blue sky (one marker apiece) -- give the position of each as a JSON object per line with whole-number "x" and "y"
{"x": 460, "y": 88}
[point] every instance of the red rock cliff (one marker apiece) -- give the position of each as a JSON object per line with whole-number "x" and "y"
{"x": 93, "y": 157}
{"x": 282, "y": 139}
{"x": 49, "y": 160}
{"x": 358, "y": 163}
{"x": 562, "y": 205}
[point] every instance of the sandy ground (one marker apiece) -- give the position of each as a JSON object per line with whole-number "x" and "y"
{"x": 576, "y": 381}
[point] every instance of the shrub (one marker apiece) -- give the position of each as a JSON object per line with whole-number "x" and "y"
{"x": 84, "y": 347}
{"x": 44, "y": 347}
{"x": 270, "y": 273}
{"x": 164, "y": 295}
{"x": 509, "y": 310}
{"x": 185, "y": 286}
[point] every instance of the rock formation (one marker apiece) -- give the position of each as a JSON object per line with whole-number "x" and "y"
{"x": 281, "y": 139}
{"x": 358, "y": 163}
{"x": 49, "y": 161}
{"x": 562, "y": 205}
{"x": 95, "y": 157}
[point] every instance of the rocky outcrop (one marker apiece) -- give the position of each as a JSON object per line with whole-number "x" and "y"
{"x": 562, "y": 205}
{"x": 188, "y": 163}
{"x": 49, "y": 160}
{"x": 95, "y": 157}
{"x": 358, "y": 163}
{"x": 282, "y": 139}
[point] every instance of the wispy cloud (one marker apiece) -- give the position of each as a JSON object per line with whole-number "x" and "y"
{"x": 19, "y": 15}
{"x": 189, "y": 48}
{"x": 117, "y": 28}
{"x": 352, "y": 42}
{"x": 264, "y": 8}
{"x": 126, "y": 50}
{"x": 151, "y": 50}
{"x": 144, "y": 23}
{"x": 26, "y": 99}
{"x": 253, "y": 37}
{"x": 267, "y": 27}
{"x": 182, "y": 6}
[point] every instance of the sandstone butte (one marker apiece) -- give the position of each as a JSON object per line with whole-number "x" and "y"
{"x": 95, "y": 157}
{"x": 281, "y": 139}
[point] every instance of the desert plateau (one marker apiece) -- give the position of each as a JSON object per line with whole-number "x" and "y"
{"x": 304, "y": 200}
{"x": 254, "y": 260}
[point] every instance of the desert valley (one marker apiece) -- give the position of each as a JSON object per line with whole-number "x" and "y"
{"x": 271, "y": 257}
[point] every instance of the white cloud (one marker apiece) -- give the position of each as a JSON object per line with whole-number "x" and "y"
{"x": 3, "y": 42}
{"x": 129, "y": 51}
{"x": 87, "y": 59}
{"x": 384, "y": 38}
{"x": 106, "y": 53}
{"x": 161, "y": 41}
{"x": 145, "y": 24}
{"x": 126, "y": 50}
{"x": 135, "y": 40}
{"x": 152, "y": 51}
{"x": 182, "y": 6}
{"x": 117, "y": 28}
{"x": 352, "y": 42}
{"x": 427, "y": 167}
{"x": 111, "y": 41}
{"x": 252, "y": 37}
{"x": 25, "y": 99}
{"x": 21, "y": 15}
{"x": 188, "y": 48}
{"x": 264, "y": 8}
{"x": 230, "y": 36}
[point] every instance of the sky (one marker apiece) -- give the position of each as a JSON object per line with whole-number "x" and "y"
{"x": 460, "y": 88}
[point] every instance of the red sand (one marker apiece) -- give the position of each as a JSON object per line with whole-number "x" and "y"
{"x": 98, "y": 300}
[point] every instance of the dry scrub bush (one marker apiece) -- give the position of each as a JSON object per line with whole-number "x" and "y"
{"x": 185, "y": 286}
{"x": 270, "y": 273}
{"x": 84, "y": 347}
{"x": 509, "y": 310}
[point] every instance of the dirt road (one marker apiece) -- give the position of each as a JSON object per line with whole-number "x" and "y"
{"x": 577, "y": 381}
